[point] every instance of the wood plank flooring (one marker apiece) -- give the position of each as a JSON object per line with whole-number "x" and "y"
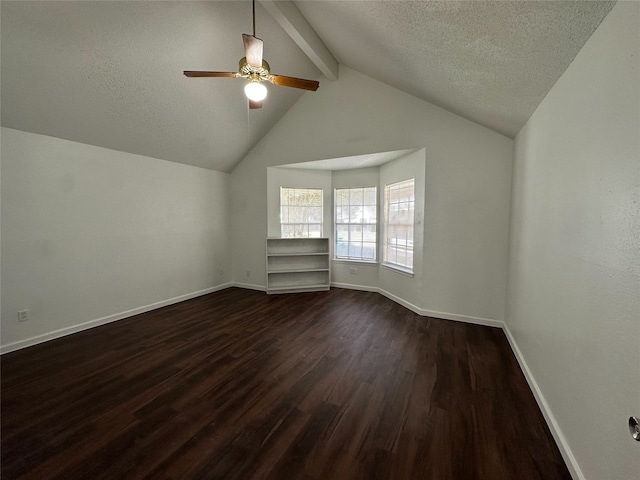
{"x": 241, "y": 385}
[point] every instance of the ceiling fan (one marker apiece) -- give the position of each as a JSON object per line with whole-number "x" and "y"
{"x": 256, "y": 70}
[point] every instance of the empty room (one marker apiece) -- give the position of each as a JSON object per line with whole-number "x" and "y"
{"x": 320, "y": 240}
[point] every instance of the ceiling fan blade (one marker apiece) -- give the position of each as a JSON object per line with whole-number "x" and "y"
{"x": 252, "y": 50}
{"x": 192, "y": 73}
{"x": 294, "y": 82}
{"x": 253, "y": 104}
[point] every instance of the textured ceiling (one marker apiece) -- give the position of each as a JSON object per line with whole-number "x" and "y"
{"x": 490, "y": 62}
{"x": 110, "y": 73}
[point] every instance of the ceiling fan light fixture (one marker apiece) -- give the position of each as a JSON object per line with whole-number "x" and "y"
{"x": 256, "y": 69}
{"x": 255, "y": 91}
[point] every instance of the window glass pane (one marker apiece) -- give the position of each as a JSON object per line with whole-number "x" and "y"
{"x": 342, "y": 240}
{"x": 355, "y": 249}
{"x": 401, "y": 235}
{"x": 355, "y": 209}
{"x": 391, "y": 255}
{"x": 394, "y": 216}
{"x": 409, "y": 258}
{"x": 342, "y": 233}
{"x": 355, "y": 214}
{"x": 342, "y": 250}
{"x": 295, "y": 215}
{"x": 401, "y": 256}
{"x": 315, "y": 231}
{"x": 315, "y": 197}
{"x": 398, "y": 223}
{"x": 391, "y": 234}
{"x": 369, "y": 215}
{"x": 286, "y": 231}
{"x": 356, "y": 196}
{"x": 369, "y": 233}
{"x": 355, "y": 233}
{"x": 289, "y": 231}
{"x": 342, "y": 196}
{"x": 284, "y": 196}
{"x": 370, "y": 196}
{"x": 369, "y": 251}
{"x": 315, "y": 214}
{"x": 300, "y": 207}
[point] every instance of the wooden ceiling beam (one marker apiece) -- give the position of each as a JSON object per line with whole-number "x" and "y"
{"x": 293, "y": 22}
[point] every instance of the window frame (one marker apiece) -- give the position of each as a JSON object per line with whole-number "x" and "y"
{"x": 408, "y": 246}
{"x": 349, "y": 224}
{"x": 307, "y": 224}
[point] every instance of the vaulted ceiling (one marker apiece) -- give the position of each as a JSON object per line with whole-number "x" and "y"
{"x": 110, "y": 73}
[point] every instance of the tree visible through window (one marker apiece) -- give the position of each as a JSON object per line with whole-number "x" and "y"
{"x": 399, "y": 200}
{"x": 355, "y": 218}
{"x": 300, "y": 212}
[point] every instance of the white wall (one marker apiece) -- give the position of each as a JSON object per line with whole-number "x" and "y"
{"x": 574, "y": 272}
{"x": 89, "y": 233}
{"x": 468, "y": 175}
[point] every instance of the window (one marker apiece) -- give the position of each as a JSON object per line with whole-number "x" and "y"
{"x": 300, "y": 212}
{"x": 356, "y": 217}
{"x": 399, "y": 200}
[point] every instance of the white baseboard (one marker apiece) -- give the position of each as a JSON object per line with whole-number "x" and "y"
{"x": 561, "y": 441}
{"x": 62, "y": 332}
{"x": 351, "y": 286}
{"x": 403, "y": 302}
{"x": 489, "y": 322}
{"x": 249, "y": 286}
{"x": 10, "y": 347}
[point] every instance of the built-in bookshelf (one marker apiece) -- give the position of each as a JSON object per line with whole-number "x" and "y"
{"x": 297, "y": 265}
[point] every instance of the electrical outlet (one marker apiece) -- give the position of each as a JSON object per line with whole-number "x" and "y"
{"x": 220, "y": 271}
{"x": 23, "y": 315}
{"x": 353, "y": 270}
{"x": 248, "y": 273}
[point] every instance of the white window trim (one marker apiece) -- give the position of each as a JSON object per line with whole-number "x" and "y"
{"x": 377, "y": 225}
{"x": 321, "y": 223}
{"x": 398, "y": 269}
{"x": 348, "y": 260}
{"x": 394, "y": 266}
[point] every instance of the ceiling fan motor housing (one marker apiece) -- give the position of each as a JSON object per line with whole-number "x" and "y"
{"x": 255, "y": 73}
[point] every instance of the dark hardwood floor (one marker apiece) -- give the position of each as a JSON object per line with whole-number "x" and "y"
{"x": 240, "y": 385}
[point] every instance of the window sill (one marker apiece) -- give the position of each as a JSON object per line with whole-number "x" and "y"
{"x": 399, "y": 269}
{"x": 349, "y": 260}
